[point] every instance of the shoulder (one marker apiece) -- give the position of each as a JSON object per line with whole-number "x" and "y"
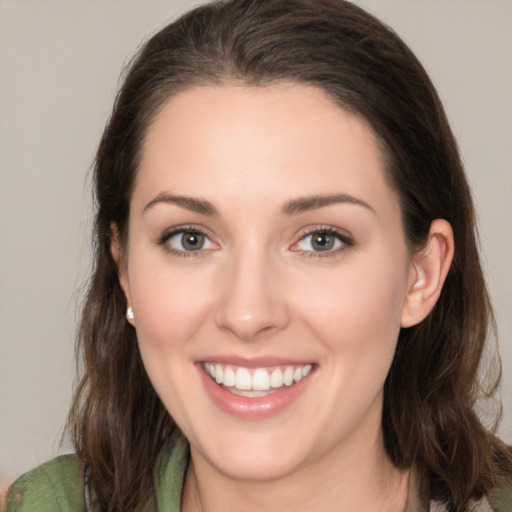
{"x": 56, "y": 485}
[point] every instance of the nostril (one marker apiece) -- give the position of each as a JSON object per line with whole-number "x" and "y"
{"x": 248, "y": 331}
{"x": 250, "y": 306}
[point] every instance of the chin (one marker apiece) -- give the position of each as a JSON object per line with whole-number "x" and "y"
{"x": 254, "y": 457}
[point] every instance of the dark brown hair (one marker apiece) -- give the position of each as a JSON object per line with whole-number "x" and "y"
{"x": 429, "y": 421}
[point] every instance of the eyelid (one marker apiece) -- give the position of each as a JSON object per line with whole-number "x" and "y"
{"x": 343, "y": 236}
{"x": 346, "y": 239}
{"x": 186, "y": 228}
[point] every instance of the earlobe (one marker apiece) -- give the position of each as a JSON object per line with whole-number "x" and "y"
{"x": 429, "y": 269}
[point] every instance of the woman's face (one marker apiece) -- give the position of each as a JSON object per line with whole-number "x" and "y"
{"x": 266, "y": 248}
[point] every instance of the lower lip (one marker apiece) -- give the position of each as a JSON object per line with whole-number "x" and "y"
{"x": 255, "y": 408}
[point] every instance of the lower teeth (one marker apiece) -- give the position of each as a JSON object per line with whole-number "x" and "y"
{"x": 250, "y": 394}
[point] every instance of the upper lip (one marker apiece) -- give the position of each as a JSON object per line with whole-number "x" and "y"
{"x": 255, "y": 362}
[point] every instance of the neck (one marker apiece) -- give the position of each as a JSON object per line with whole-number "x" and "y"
{"x": 361, "y": 478}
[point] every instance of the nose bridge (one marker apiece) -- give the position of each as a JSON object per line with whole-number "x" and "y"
{"x": 251, "y": 304}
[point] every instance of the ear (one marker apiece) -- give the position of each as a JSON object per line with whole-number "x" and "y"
{"x": 429, "y": 269}
{"x": 118, "y": 253}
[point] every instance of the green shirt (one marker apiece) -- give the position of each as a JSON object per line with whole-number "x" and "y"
{"x": 58, "y": 485}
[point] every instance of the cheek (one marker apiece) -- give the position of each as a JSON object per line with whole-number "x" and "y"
{"x": 357, "y": 311}
{"x": 169, "y": 304}
{"x": 170, "y": 307}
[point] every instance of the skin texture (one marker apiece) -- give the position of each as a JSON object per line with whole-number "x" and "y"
{"x": 259, "y": 289}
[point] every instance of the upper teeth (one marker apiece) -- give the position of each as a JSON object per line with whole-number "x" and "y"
{"x": 258, "y": 379}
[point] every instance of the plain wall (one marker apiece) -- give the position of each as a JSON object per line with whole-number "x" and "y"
{"x": 59, "y": 67}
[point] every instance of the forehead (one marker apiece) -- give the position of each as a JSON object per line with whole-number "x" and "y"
{"x": 280, "y": 140}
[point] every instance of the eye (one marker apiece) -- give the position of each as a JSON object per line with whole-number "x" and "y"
{"x": 320, "y": 241}
{"x": 324, "y": 240}
{"x": 185, "y": 240}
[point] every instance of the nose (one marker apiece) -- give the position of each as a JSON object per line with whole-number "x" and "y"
{"x": 252, "y": 302}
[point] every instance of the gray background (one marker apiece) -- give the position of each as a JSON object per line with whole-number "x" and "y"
{"x": 59, "y": 67}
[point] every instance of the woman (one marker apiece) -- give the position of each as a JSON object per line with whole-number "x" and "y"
{"x": 287, "y": 310}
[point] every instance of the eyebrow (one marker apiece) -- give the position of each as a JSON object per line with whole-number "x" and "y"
{"x": 189, "y": 203}
{"x": 304, "y": 204}
{"x": 292, "y": 207}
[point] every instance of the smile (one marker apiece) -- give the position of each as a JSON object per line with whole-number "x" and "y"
{"x": 256, "y": 382}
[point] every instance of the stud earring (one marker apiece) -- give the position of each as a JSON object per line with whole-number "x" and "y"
{"x": 418, "y": 284}
{"x": 129, "y": 314}
{"x": 421, "y": 279}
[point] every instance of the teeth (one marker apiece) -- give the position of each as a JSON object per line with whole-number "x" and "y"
{"x": 243, "y": 379}
{"x": 210, "y": 369}
{"x": 229, "y": 377}
{"x": 260, "y": 379}
{"x": 276, "y": 378}
{"x": 306, "y": 370}
{"x": 288, "y": 376}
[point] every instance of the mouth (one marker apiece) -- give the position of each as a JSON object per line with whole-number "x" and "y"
{"x": 256, "y": 382}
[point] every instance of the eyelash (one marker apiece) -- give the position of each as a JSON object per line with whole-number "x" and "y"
{"x": 345, "y": 239}
{"x": 167, "y": 235}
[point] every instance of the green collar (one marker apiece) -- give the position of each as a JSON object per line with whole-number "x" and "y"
{"x": 170, "y": 474}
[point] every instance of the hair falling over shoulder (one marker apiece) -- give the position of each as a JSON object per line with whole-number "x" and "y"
{"x": 433, "y": 391}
